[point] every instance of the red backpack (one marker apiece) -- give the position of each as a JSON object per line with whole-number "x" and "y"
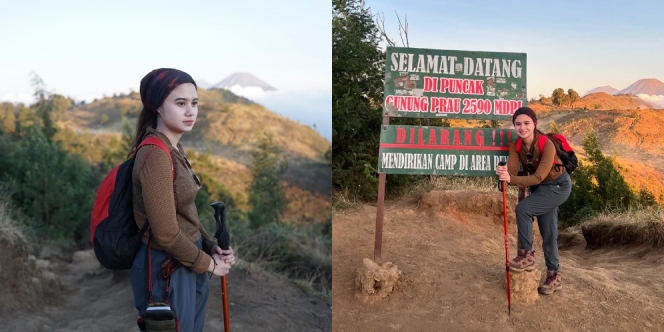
{"x": 563, "y": 150}
{"x": 113, "y": 230}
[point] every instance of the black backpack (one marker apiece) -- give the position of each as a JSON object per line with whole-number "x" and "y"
{"x": 113, "y": 230}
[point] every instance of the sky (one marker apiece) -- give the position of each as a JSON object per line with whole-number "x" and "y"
{"x": 569, "y": 44}
{"x": 87, "y": 49}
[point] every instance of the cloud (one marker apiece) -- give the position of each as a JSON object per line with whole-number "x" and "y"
{"x": 25, "y": 98}
{"x": 656, "y": 100}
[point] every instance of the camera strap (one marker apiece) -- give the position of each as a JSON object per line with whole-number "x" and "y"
{"x": 159, "y": 316}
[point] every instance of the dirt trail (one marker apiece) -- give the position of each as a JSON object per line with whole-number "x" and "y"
{"x": 452, "y": 257}
{"x": 93, "y": 299}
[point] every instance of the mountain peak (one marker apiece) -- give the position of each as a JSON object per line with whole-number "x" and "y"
{"x": 648, "y": 86}
{"x": 243, "y": 80}
{"x": 606, "y": 89}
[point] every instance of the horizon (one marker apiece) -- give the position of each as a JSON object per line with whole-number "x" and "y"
{"x": 106, "y": 48}
{"x": 580, "y": 46}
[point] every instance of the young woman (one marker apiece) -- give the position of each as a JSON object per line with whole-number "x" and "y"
{"x": 550, "y": 186}
{"x": 163, "y": 195}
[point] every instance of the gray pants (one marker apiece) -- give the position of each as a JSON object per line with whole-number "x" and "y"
{"x": 188, "y": 291}
{"x": 543, "y": 203}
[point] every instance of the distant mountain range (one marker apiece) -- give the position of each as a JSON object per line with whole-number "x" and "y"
{"x": 649, "y": 89}
{"x": 606, "y": 89}
{"x": 648, "y": 86}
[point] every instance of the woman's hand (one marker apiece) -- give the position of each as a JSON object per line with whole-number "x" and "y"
{"x": 218, "y": 267}
{"x": 503, "y": 175}
{"x": 226, "y": 255}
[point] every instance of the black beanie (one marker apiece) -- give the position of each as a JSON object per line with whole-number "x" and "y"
{"x": 159, "y": 83}
{"x": 527, "y": 111}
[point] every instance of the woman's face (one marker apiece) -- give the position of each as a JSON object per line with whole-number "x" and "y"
{"x": 179, "y": 111}
{"x": 524, "y": 125}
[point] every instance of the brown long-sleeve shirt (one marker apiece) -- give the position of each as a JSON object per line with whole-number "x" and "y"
{"x": 168, "y": 204}
{"x": 544, "y": 169}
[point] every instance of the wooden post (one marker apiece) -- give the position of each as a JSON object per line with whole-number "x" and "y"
{"x": 380, "y": 207}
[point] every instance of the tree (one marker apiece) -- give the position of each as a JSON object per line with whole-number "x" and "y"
{"x": 328, "y": 156}
{"x": 596, "y": 186}
{"x": 8, "y": 118}
{"x": 50, "y": 186}
{"x": 266, "y": 194}
{"x": 44, "y": 106}
{"x": 646, "y": 199}
{"x": 611, "y": 186}
{"x": 553, "y": 127}
{"x": 357, "y": 90}
{"x": 558, "y": 96}
{"x": 573, "y": 96}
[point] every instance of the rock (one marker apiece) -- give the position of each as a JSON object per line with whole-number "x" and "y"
{"x": 42, "y": 264}
{"x": 36, "y": 283}
{"x": 83, "y": 255}
{"x": 50, "y": 276}
{"x": 50, "y": 251}
{"x": 376, "y": 282}
{"x": 524, "y": 286}
{"x": 32, "y": 260}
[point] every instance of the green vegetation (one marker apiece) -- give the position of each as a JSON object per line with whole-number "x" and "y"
{"x": 560, "y": 98}
{"x": 357, "y": 89}
{"x": 49, "y": 175}
{"x": 599, "y": 187}
{"x": 266, "y": 195}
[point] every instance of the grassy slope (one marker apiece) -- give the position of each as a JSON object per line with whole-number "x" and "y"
{"x": 227, "y": 128}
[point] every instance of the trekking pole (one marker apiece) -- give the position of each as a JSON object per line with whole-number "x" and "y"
{"x": 507, "y": 260}
{"x": 223, "y": 240}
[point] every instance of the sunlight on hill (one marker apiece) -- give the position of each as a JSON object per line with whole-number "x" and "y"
{"x": 596, "y": 101}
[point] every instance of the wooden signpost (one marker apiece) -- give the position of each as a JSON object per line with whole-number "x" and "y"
{"x": 428, "y": 83}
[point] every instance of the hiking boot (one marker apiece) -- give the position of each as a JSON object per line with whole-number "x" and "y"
{"x": 524, "y": 261}
{"x": 552, "y": 283}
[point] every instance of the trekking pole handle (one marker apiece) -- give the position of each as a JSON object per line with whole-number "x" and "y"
{"x": 501, "y": 163}
{"x": 223, "y": 238}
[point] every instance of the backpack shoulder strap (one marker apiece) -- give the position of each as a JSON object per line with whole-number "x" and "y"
{"x": 160, "y": 144}
{"x": 541, "y": 142}
{"x": 519, "y": 142}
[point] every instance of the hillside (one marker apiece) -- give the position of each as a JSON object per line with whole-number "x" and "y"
{"x": 227, "y": 128}
{"x": 633, "y": 136}
{"x": 224, "y": 118}
{"x": 597, "y": 101}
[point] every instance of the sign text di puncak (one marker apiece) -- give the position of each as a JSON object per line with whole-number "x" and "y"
{"x": 442, "y": 151}
{"x": 454, "y": 84}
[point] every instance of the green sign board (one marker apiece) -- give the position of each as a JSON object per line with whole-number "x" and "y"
{"x": 442, "y": 151}
{"x": 426, "y": 83}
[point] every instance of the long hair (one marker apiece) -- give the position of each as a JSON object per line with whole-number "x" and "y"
{"x": 146, "y": 119}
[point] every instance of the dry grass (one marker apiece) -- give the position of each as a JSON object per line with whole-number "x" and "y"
{"x": 303, "y": 205}
{"x": 342, "y": 201}
{"x": 466, "y": 183}
{"x": 629, "y": 228}
{"x": 10, "y": 229}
